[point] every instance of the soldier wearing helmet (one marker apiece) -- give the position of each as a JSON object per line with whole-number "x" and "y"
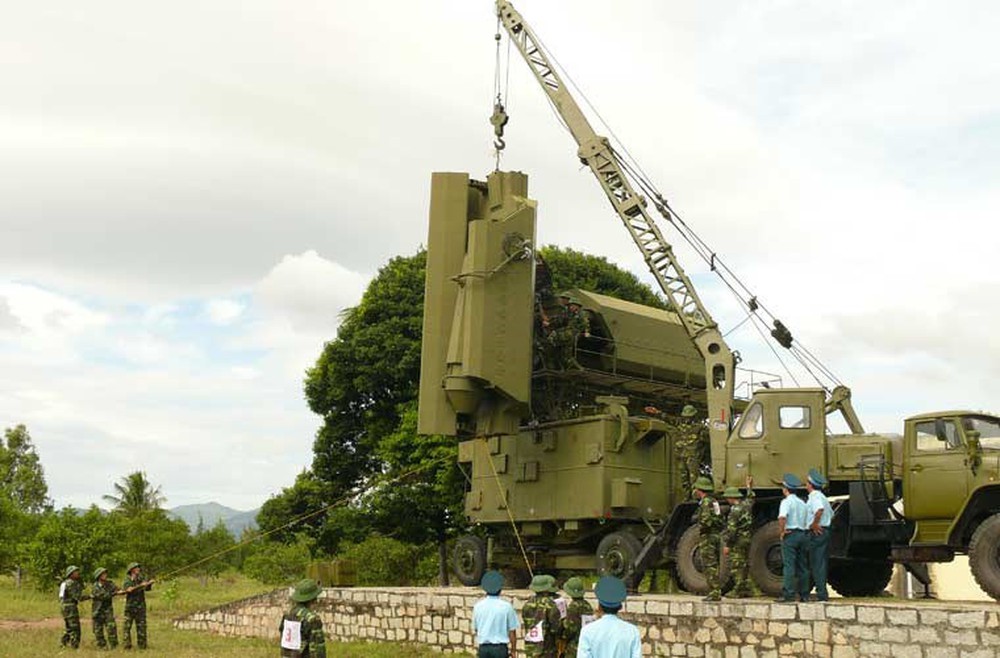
{"x": 301, "y": 628}
{"x": 710, "y": 524}
{"x": 103, "y": 612}
{"x": 70, "y": 595}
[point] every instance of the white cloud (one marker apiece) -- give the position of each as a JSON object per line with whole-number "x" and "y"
{"x": 223, "y": 311}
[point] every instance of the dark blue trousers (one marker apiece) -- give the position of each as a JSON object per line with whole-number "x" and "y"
{"x": 794, "y": 568}
{"x": 819, "y": 559}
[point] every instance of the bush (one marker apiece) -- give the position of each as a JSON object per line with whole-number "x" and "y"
{"x": 277, "y": 564}
{"x": 387, "y": 561}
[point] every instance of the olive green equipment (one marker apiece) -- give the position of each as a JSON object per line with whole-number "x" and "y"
{"x": 568, "y": 472}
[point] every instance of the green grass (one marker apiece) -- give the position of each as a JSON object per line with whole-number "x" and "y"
{"x": 30, "y": 624}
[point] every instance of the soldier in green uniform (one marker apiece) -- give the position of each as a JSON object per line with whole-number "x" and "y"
{"x": 103, "y": 615}
{"x": 691, "y": 441}
{"x": 566, "y": 329}
{"x": 577, "y": 609}
{"x": 710, "y": 524}
{"x": 70, "y": 595}
{"x": 301, "y": 628}
{"x": 135, "y": 589}
{"x": 736, "y": 539}
{"x": 542, "y": 621}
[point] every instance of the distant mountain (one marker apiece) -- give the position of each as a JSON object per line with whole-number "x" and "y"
{"x": 234, "y": 520}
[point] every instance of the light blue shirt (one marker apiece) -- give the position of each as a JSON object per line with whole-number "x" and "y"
{"x": 609, "y": 637}
{"x": 493, "y": 619}
{"x": 794, "y": 511}
{"x": 817, "y": 501}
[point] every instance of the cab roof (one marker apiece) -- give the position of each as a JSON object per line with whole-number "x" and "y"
{"x": 931, "y": 415}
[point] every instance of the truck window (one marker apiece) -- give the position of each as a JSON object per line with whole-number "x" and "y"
{"x": 989, "y": 431}
{"x": 928, "y": 441}
{"x": 794, "y": 418}
{"x": 753, "y": 423}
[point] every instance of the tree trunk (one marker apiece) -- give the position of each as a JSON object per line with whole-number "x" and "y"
{"x": 442, "y": 562}
{"x": 17, "y": 577}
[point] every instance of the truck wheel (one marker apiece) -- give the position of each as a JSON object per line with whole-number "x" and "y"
{"x": 859, "y": 577}
{"x": 469, "y": 559}
{"x": 515, "y": 577}
{"x": 984, "y": 555}
{"x": 616, "y": 554}
{"x": 765, "y": 558}
{"x": 689, "y": 567}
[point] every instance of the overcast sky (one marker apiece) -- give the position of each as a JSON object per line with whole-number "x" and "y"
{"x": 191, "y": 192}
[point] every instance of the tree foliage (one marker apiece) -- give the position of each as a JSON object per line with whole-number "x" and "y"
{"x": 22, "y": 478}
{"x": 212, "y": 549}
{"x": 277, "y": 563}
{"x": 134, "y": 495}
{"x": 575, "y": 269}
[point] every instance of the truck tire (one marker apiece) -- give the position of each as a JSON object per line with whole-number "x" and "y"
{"x": 617, "y": 553}
{"x": 689, "y": 574}
{"x": 859, "y": 577}
{"x": 984, "y": 555}
{"x": 765, "y": 558}
{"x": 515, "y": 577}
{"x": 468, "y": 559}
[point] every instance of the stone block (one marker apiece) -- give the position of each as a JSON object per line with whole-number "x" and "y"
{"x": 868, "y": 615}
{"x": 893, "y": 634}
{"x": 976, "y": 653}
{"x": 800, "y": 631}
{"x": 812, "y": 612}
{"x": 821, "y": 632}
{"x": 869, "y": 648}
{"x": 952, "y": 638}
{"x": 925, "y": 635}
{"x": 907, "y": 651}
{"x": 748, "y": 652}
{"x": 931, "y": 617}
{"x": 681, "y": 609}
{"x": 756, "y": 611}
{"x": 989, "y": 638}
{"x": 940, "y": 652}
{"x": 783, "y": 611}
{"x": 658, "y": 608}
{"x": 901, "y": 617}
{"x": 777, "y": 629}
{"x": 975, "y": 619}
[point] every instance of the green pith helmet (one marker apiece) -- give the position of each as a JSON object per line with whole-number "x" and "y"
{"x": 98, "y": 572}
{"x": 704, "y": 484}
{"x": 134, "y": 565}
{"x": 70, "y": 569}
{"x": 543, "y": 583}
{"x": 732, "y": 492}
{"x": 574, "y": 587}
{"x": 689, "y": 411}
{"x": 306, "y": 590}
{"x": 574, "y": 300}
{"x": 565, "y": 295}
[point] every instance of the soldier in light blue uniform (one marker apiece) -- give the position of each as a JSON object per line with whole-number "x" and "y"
{"x": 494, "y": 620}
{"x": 820, "y": 515}
{"x": 609, "y": 636}
{"x": 793, "y": 522}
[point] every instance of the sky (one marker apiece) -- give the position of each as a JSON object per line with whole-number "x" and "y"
{"x": 192, "y": 192}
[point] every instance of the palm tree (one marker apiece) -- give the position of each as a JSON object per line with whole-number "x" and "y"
{"x": 134, "y": 495}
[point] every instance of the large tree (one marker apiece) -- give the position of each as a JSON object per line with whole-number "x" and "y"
{"x": 22, "y": 478}
{"x": 134, "y": 494}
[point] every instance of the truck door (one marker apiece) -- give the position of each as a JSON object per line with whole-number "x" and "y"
{"x": 936, "y": 481}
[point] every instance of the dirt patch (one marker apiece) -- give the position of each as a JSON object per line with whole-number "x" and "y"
{"x": 20, "y": 625}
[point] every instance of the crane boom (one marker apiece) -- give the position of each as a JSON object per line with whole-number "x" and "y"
{"x": 597, "y": 153}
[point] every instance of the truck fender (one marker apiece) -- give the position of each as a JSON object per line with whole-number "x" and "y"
{"x": 981, "y": 503}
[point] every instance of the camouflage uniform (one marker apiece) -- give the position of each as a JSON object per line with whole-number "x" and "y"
{"x": 103, "y": 614}
{"x": 572, "y": 624}
{"x": 71, "y": 593}
{"x": 691, "y": 439}
{"x": 569, "y": 325}
{"x": 736, "y": 536}
{"x": 313, "y": 639}
{"x": 135, "y": 612}
{"x": 542, "y": 610}
{"x": 710, "y": 523}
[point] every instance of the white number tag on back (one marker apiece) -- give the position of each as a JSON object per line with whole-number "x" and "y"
{"x": 563, "y": 605}
{"x": 587, "y": 619}
{"x": 291, "y": 635}
{"x": 535, "y": 635}
{"x": 62, "y": 589}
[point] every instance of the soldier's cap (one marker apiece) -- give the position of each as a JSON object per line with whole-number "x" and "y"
{"x": 98, "y": 572}
{"x": 574, "y": 587}
{"x": 689, "y": 411}
{"x": 816, "y": 478}
{"x": 704, "y": 484}
{"x": 565, "y": 295}
{"x": 134, "y": 565}
{"x": 543, "y": 583}
{"x": 492, "y": 582}
{"x": 610, "y": 591}
{"x": 732, "y": 492}
{"x": 791, "y": 481}
{"x": 306, "y": 590}
{"x": 70, "y": 569}
{"x": 574, "y": 300}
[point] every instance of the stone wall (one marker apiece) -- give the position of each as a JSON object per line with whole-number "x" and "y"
{"x": 671, "y": 625}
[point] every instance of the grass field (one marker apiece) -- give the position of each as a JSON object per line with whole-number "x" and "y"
{"x": 30, "y": 624}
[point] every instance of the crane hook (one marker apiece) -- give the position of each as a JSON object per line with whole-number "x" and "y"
{"x": 499, "y": 120}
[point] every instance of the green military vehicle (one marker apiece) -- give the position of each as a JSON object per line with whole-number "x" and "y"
{"x": 568, "y": 470}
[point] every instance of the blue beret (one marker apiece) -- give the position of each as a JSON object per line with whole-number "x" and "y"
{"x": 610, "y": 591}
{"x": 492, "y": 582}
{"x": 816, "y": 478}
{"x": 791, "y": 481}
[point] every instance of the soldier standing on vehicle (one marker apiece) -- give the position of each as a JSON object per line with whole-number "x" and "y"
{"x": 103, "y": 615}
{"x": 690, "y": 437}
{"x": 792, "y": 523}
{"x": 541, "y": 618}
{"x": 70, "y": 595}
{"x": 710, "y": 525}
{"x": 135, "y": 589}
{"x": 566, "y": 330}
{"x": 820, "y": 515}
{"x": 609, "y": 636}
{"x": 494, "y": 621}
{"x": 301, "y": 628}
{"x": 736, "y": 539}
{"x": 578, "y": 612}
